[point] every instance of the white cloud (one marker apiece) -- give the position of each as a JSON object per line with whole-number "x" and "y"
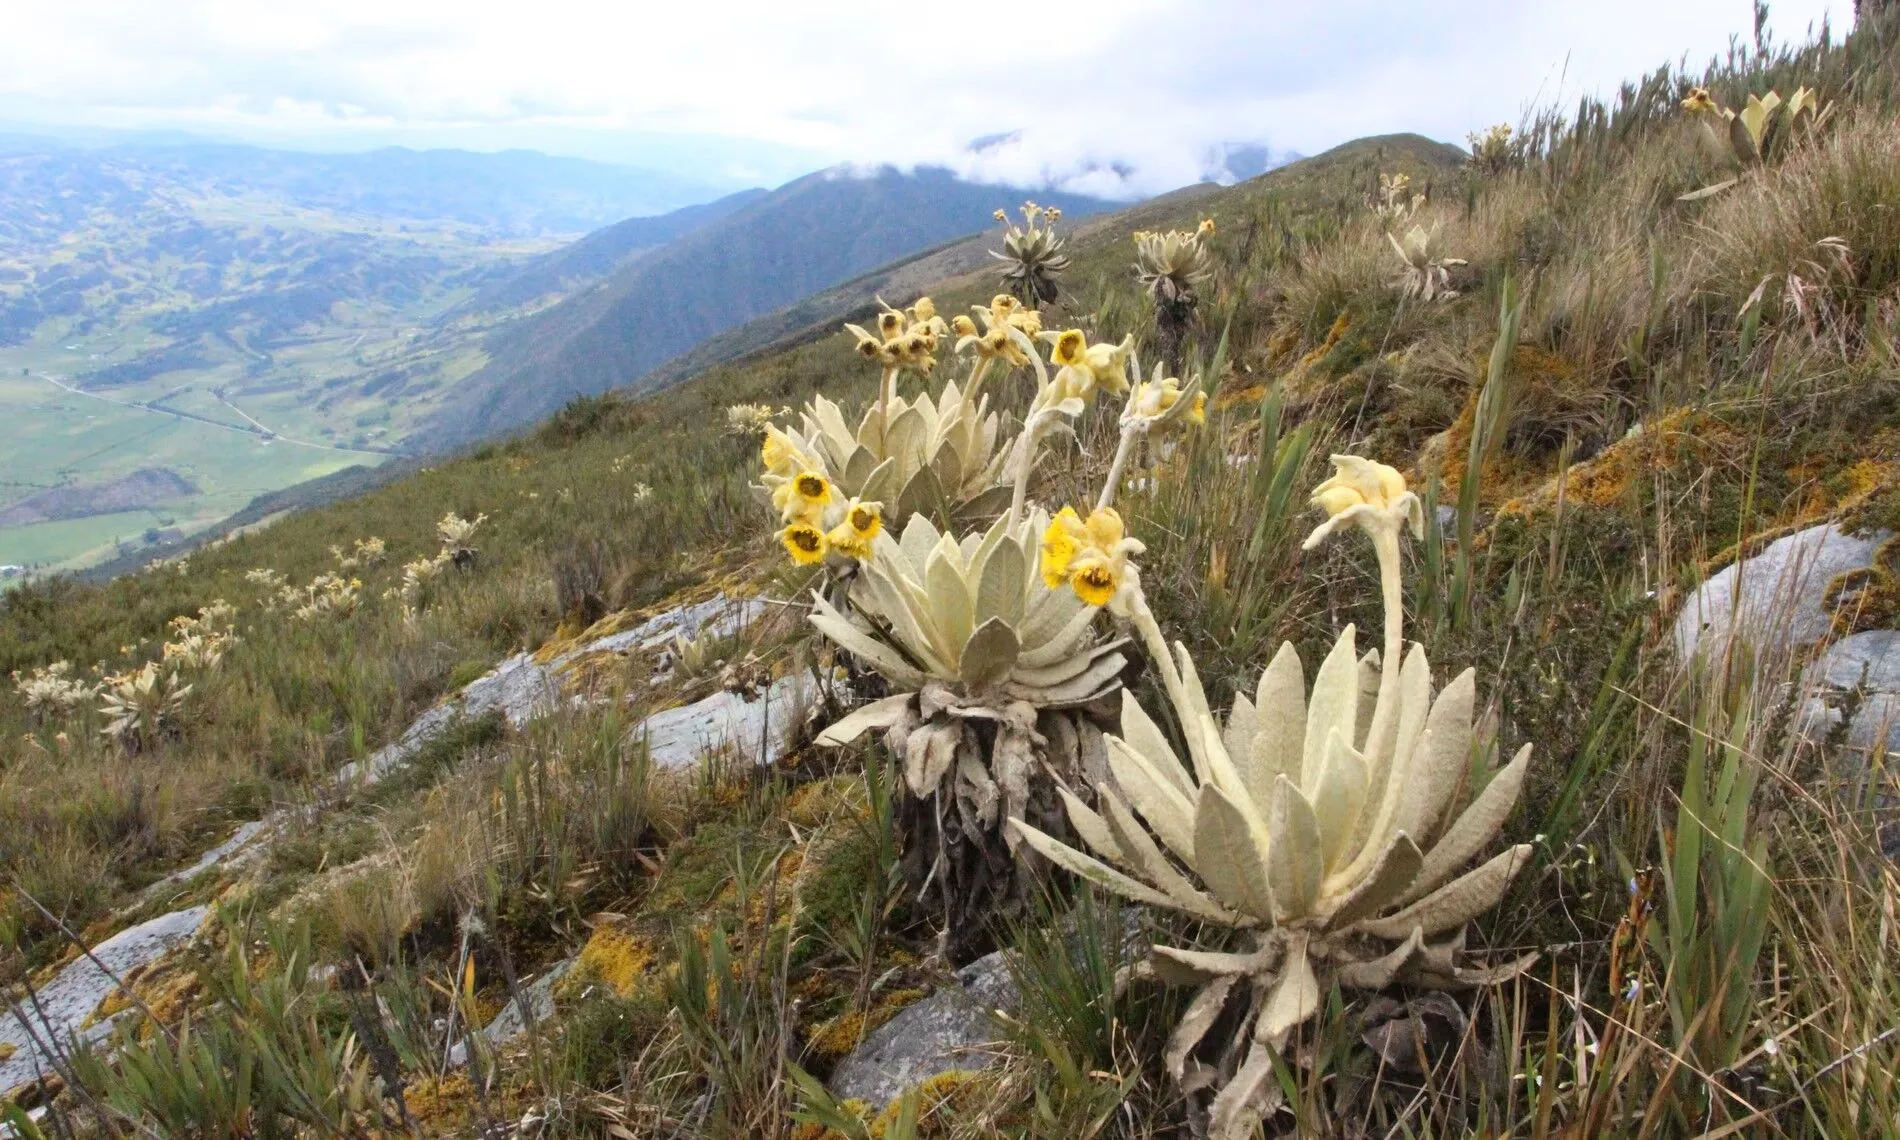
{"x": 1092, "y": 87}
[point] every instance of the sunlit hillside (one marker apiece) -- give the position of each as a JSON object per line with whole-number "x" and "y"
{"x": 1458, "y": 702}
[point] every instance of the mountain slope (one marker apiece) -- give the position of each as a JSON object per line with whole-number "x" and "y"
{"x": 806, "y": 236}
{"x": 596, "y": 255}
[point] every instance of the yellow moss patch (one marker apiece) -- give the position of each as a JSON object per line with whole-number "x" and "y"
{"x": 822, "y": 800}
{"x": 1252, "y": 394}
{"x": 841, "y": 1034}
{"x": 7, "y": 1050}
{"x": 614, "y": 957}
{"x": 1282, "y": 343}
{"x": 1334, "y": 335}
{"x": 854, "y": 1106}
{"x": 440, "y": 1102}
{"x": 1682, "y": 438}
{"x": 938, "y": 1099}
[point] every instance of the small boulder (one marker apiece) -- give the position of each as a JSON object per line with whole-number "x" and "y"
{"x": 951, "y": 1029}
{"x": 1776, "y": 596}
{"x": 1869, "y": 662}
{"x": 759, "y": 729}
{"x": 508, "y": 1024}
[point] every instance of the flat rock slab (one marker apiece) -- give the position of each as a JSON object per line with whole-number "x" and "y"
{"x": 1869, "y": 662}
{"x": 212, "y": 858}
{"x": 522, "y": 689}
{"x": 950, "y": 1029}
{"x": 1774, "y": 597}
{"x": 717, "y": 616}
{"x": 66, "y": 1001}
{"x": 760, "y": 730}
{"x": 508, "y": 1024}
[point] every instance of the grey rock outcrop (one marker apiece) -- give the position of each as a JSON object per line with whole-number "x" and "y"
{"x": 1867, "y": 663}
{"x": 61, "y": 1007}
{"x": 508, "y": 1024}
{"x": 1775, "y": 597}
{"x": 950, "y": 1029}
{"x": 758, "y": 729}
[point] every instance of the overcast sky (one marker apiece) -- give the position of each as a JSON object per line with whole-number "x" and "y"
{"x": 1100, "y": 95}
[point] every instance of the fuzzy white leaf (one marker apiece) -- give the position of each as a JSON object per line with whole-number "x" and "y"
{"x": 1168, "y": 811}
{"x": 878, "y": 714}
{"x": 1228, "y": 855}
{"x": 1144, "y": 736}
{"x": 1293, "y": 863}
{"x": 1076, "y": 863}
{"x": 1334, "y": 704}
{"x": 1475, "y": 828}
{"x": 1456, "y": 903}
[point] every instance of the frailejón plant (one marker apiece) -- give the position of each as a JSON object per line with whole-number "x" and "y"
{"x": 1319, "y": 822}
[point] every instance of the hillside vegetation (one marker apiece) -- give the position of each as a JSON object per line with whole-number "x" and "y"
{"x": 1604, "y": 385}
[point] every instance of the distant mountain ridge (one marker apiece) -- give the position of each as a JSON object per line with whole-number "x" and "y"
{"x": 804, "y": 237}
{"x": 595, "y": 256}
{"x": 512, "y": 193}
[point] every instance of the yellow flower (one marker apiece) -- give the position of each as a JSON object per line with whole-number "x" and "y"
{"x": 1071, "y": 348}
{"x": 866, "y": 520}
{"x": 1000, "y": 216}
{"x": 805, "y": 542}
{"x": 862, "y": 523}
{"x": 779, "y": 453}
{"x": 1104, "y": 529}
{"x": 868, "y": 346}
{"x": 1029, "y": 321}
{"x": 841, "y": 539}
{"x": 1699, "y": 100}
{"x": 1357, "y": 482}
{"x": 1003, "y": 305}
{"x": 1198, "y": 414}
{"x": 890, "y": 324}
{"x": 924, "y": 311}
{"x": 1085, "y": 367}
{"x": 963, "y": 326}
{"x": 1153, "y": 398}
{"x": 1090, "y": 555}
{"x": 1109, "y": 362}
{"x": 803, "y": 496}
{"x": 1095, "y": 582}
{"x": 1059, "y": 546}
{"x": 1368, "y": 494}
{"x": 1206, "y": 228}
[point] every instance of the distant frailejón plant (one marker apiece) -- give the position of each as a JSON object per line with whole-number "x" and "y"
{"x": 1174, "y": 267}
{"x": 1032, "y": 255}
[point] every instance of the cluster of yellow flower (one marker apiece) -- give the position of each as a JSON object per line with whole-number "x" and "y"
{"x": 201, "y": 642}
{"x": 906, "y": 338}
{"x": 52, "y": 690}
{"x": 368, "y": 552}
{"x": 992, "y": 341}
{"x": 818, "y": 522}
{"x": 1091, "y": 555}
